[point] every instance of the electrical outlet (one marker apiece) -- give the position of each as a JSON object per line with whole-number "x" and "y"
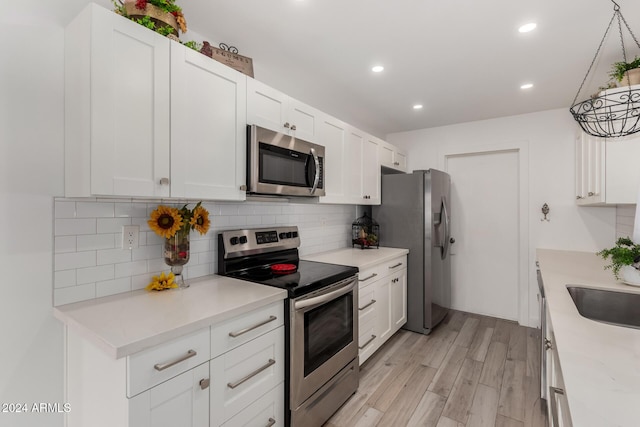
{"x": 130, "y": 236}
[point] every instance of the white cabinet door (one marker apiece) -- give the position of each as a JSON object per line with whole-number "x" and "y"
{"x": 371, "y": 171}
{"x": 353, "y": 166}
{"x": 383, "y": 301}
{"x": 392, "y": 157}
{"x": 333, "y": 135}
{"x": 116, "y": 107}
{"x": 398, "y": 299}
{"x": 272, "y": 109}
{"x": 623, "y": 173}
{"x": 182, "y": 401}
{"x": 208, "y": 127}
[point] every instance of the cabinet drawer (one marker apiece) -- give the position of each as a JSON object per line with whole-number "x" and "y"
{"x": 268, "y": 410}
{"x": 241, "y": 329}
{"x": 155, "y": 365}
{"x": 370, "y": 275}
{"x": 368, "y": 341}
{"x": 366, "y": 301}
{"x": 245, "y": 373}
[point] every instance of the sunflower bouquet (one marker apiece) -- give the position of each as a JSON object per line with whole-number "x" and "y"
{"x": 174, "y": 225}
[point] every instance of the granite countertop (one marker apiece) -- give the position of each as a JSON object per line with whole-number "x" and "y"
{"x": 124, "y": 324}
{"x": 600, "y": 363}
{"x": 356, "y": 257}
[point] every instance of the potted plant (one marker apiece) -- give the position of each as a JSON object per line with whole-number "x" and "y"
{"x": 624, "y": 260}
{"x": 161, "y": 16}
{"x": 626, "y": 73}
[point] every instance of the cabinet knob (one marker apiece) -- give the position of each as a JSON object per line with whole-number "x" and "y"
{"x": 287, "y": 125}
{"x": 204, "y": 383}
{"x": 578, "y": 197}
{"x": 547, "y": 344}
{"x": 293, "y": 127}
{"x": 243, "y": 188}
{"x": 164, "y": 181}
{"x": 396, "y": 163}
{"x": 591, "y": 193}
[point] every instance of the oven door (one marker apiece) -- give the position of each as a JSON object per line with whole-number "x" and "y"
{"x": 324, "y": 337}
{"x": 281, "y": 164}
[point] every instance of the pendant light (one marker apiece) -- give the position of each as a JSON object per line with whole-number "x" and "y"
{"x": 613, "y": 112}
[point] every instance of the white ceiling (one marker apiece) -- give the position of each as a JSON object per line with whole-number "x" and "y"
{"x": 463, "y": 60}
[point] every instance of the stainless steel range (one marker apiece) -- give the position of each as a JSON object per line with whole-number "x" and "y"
{"x": 321, "y": 320}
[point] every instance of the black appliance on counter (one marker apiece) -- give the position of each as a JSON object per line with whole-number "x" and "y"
{"x": 321, "y": 317}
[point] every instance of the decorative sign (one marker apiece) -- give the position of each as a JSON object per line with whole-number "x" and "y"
{"x": 228, "y": 55}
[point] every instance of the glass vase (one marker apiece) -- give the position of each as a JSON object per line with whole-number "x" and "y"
{"x": 176, "y": 255}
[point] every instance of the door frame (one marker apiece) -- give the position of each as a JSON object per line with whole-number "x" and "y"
{"x": 522, "y": 150}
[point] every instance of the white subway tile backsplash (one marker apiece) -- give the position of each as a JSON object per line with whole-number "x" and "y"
{"x": 65, "y": 209}
{"x": 67, "y": 227}
{"x": 94, "y": 210}
{"x": 111, "y": 287}
{"x": 74, "y": 294}
{"x": 94, "y": 274}
{"x": 64, "y": 278}
{"x": 71, "y": 260}
{"x": 90, "y": 263}
{"x": 112, "y": 225}
{"x": 127, "y": 269}
{"x": 625, "y": 218}
{"x": 65, "y": 244}
{"x": 113, "y": 256}
{"x": 96, "y": 241}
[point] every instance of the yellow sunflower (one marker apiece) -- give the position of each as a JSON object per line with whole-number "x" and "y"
{"x": 162, "y": 282}
{"x": 165, "y": 221}
{"x": 200, "y": 220}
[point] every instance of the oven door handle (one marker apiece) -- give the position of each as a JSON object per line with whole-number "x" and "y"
{"x": 321, "y": 299}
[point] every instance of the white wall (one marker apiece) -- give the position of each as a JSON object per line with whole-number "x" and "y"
{"x": 31, "y": 162}
{"x": 550, "y": 138}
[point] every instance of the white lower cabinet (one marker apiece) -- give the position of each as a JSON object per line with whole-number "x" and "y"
{"x": 201, "y": 379}
{"x": 382, "y": 304}
{"x": 181, "y": 401}
{"x": 557, "y": 404}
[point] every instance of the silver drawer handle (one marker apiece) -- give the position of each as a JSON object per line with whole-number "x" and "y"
{"x": 368, "y": 305}
{"x": 251, "y": 375}
{"x": 251, "y": 328}
{"x": 394, "y": 266}
{"x": 271, "y": 422}
{"x": 367, "y": 278}
{"x": 373, "y": 337}
{"x": 554, "y": 405}
{"x": 163, "y": 366}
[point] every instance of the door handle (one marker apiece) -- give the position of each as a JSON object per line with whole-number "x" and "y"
{"x": 271, "y": 362}
{"x": 321, "y": 299}
{"x": 316, "y": 178}
{"x": 163, "y": 366}
{"x": 251, "y": 328}
{"x": 447, "y": 232}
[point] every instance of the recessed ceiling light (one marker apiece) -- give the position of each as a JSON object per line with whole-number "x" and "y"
{"x": 527, "y": 27}
{"x": 526, "y": 86}
{"x": 417, "y": 107}
{"x": 377, "y": 69}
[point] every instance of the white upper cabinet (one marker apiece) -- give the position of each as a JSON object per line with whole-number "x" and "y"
{"x": 116, "y": 107}
{"x": 392, "y": 157}
{"x": 606, "y": 170}
{"x": 272, "y": 109}
{"x": 371, "y": 170}
{"x": 146, "y": 116}
{"x": 332, "y": 134}
{"x": 208, "y": 127}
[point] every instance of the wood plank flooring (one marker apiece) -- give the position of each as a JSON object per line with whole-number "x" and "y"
{"x": 472, "y": 371}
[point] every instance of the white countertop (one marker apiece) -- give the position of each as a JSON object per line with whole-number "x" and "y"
{"x": 124, "y": 324}
{"x": 600, "y": 363}
{"x": 356, "y": 257}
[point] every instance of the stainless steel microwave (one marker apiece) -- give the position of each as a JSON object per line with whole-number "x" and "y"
{"x": 281, "y": 164}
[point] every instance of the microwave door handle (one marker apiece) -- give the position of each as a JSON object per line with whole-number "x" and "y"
{"x": 316, "y": 178}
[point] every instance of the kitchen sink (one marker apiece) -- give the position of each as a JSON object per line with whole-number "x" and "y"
{"x": 614, "y": 307}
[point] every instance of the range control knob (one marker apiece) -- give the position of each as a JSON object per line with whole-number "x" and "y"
{"x": 282, "y": 236}
{"x": 233, "y": 240}
{"x": 243, "y": 239}
{"x": 289, "y": 235}
{"x": 294, "y": 234}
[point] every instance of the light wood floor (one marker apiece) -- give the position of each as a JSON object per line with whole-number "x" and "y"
{"x": 471, "y": 371}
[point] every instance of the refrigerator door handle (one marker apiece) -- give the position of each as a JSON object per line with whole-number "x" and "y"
{"x": 447, "y": 231}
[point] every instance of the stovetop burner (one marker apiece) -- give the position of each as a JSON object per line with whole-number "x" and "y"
{"x": 251, "y": 254}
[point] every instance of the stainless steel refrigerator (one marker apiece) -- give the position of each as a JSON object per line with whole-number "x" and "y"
{"x": 416, "y": 214}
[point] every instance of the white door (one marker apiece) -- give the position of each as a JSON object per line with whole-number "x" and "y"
{"x": 485, "y": 223}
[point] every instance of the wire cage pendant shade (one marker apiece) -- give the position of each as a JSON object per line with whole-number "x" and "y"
{"x": 613, "y": 112}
